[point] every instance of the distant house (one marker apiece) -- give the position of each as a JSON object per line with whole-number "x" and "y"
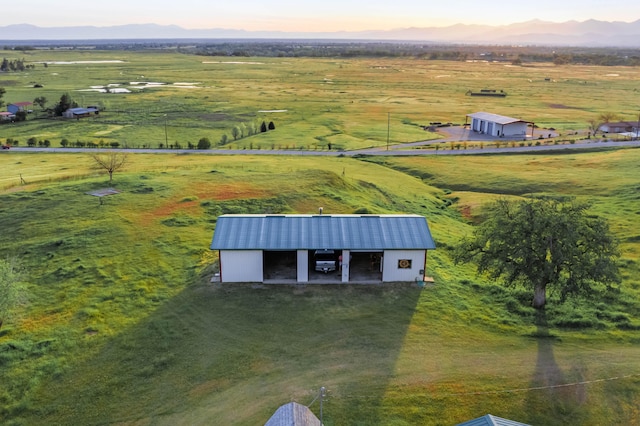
{"x": 490, "y": 420}
{"x": 498, "y": 125}
{"x": 7, "y": 116}
{"x": 293, "y": 414}
{"x": 18, "y": 106}
{"x": 620, "y": 127}
{"x": 80, "y": 112}
{"x": 285, "y": 248}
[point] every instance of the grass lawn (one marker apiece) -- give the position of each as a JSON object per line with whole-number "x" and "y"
{"x": 122, "y": 325}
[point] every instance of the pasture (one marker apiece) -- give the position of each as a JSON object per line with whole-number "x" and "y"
{"x": 123, "y": 326}
{"x": 349, "y": 103}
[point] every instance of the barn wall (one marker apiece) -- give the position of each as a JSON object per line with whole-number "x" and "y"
{"x": 241, "y": 266}
{"x": 515, "y": 129}
{"x": 392, "y": 272}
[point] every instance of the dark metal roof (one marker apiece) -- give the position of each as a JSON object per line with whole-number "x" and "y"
{"x": 310, "y": 232}
{"x": 81, "y": 111}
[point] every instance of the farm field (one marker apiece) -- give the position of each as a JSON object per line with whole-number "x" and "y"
{"x": 122, "y": 325}
{"x": 175, "y": 99}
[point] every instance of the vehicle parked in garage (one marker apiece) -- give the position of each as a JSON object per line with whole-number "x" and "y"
{"x": 325, "y": 260}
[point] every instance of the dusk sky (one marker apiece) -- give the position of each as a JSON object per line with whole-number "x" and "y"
{"x": 325, "y": 15}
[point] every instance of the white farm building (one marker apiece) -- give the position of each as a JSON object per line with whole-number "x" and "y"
{"x": 498, "y": 125}
{"x": 284, "y": 248}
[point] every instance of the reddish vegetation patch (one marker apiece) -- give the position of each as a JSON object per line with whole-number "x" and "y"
{"x": 40, "y": 322}
{"x": 228, "y": 191}
{"x": 171, "y": 207}
{"x": 219, "y": 192}
{"x": 466, "y": 212}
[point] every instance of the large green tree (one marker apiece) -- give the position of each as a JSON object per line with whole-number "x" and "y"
{"x": 64, "y": 104}
{"x": 541, "y": 244}
{"x": 41, "y": 101}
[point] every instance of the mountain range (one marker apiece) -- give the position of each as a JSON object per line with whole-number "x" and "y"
{"x": 591, "y": 33}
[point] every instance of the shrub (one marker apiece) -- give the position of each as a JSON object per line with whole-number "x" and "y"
{"x": 204, "y": 143}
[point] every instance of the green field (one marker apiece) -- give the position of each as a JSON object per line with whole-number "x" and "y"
{"x": 348, "y": 103}
{"x": 122, "y": 325}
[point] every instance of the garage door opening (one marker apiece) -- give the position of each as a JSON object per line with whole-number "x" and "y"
{"x": 366, "y": 266}
{"x": 324, "y": 266}
{"x": 280, "y": 265}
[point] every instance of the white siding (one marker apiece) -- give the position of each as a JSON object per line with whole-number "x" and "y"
{"x": 391, "y": 271}
{"x": 346, "y": 257}
{"x": 496, "y": 129}
{"x": 303, "y": 266}
{"x": 241, "y": 266}
{"x": 515, "y": 129}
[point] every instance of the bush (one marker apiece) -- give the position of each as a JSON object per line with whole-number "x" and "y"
{"x": 204, "y": 143}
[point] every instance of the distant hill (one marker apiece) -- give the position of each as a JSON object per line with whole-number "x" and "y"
{"x": 591, "y": 33}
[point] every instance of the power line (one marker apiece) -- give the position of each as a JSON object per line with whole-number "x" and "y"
{"x": 514, "y": 390}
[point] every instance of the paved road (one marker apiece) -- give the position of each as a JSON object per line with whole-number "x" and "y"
{"x": 476, "y": 151}
{"x": 452, "y": 134}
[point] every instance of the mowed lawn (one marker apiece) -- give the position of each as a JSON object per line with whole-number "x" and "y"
{"x": 123, "y": 326}
{"x": 314, "y": 103}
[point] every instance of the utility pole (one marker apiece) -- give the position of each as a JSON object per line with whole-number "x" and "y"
{"x": 166, "y": 138}
{"x": 388, "y": 128}
{"x": 323, "y": 391}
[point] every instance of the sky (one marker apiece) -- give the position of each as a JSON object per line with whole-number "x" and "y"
{"x": 305, "y": 15}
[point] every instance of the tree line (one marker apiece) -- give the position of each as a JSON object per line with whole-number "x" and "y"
{"x": 14, "y": 65}
{"x": 512, "y": 54}
{"x": 610, "y": 56}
